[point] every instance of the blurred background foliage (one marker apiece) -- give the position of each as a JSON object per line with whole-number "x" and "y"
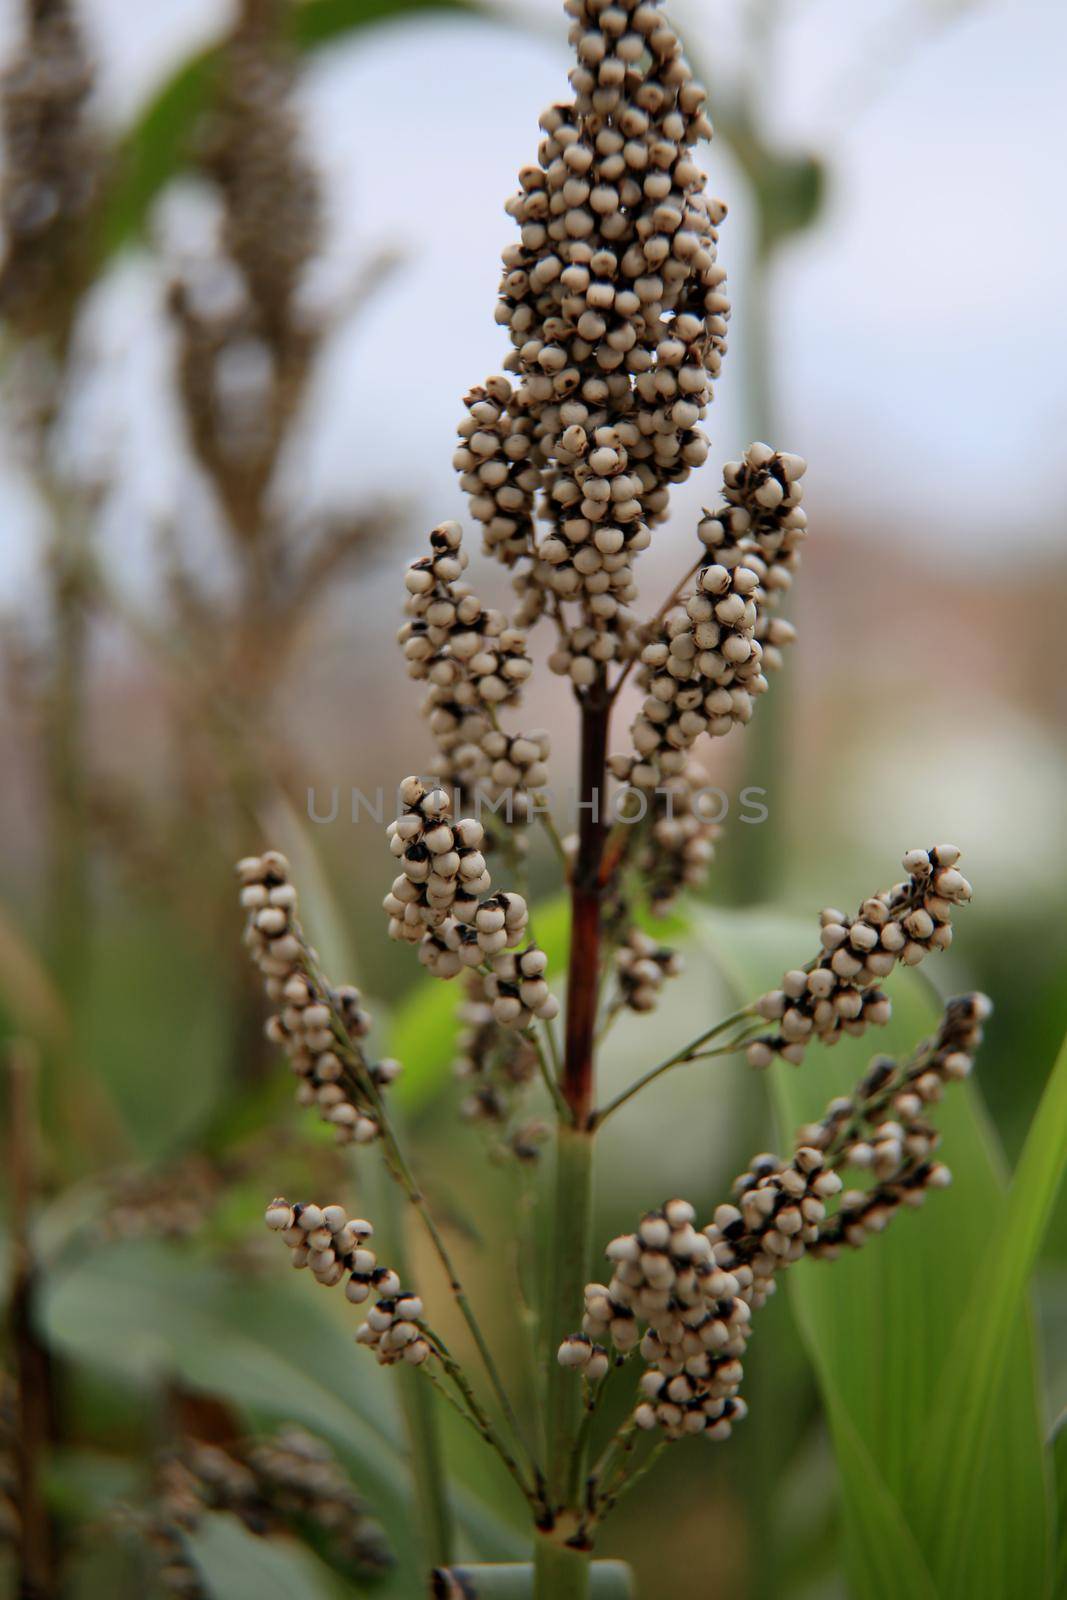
{"x": 197, "y": 633}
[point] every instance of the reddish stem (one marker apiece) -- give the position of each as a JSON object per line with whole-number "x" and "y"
{"x": 587, "y": 889}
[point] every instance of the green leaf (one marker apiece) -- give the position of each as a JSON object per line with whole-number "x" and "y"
{"x": 966, "y": 1425}
{"x": 236, "y": 1565}
{"x": 881, "y": 1324}
{"x": 608, "y": 1580}
{"x": 153, "y": 1029}
{"x": 1059, "y": 1458}
{"x": 878, "y": 1542}
{"x": 279, "y": 1350}
{"x": 157, "y": 147}
{"x": 143, "y": 1311}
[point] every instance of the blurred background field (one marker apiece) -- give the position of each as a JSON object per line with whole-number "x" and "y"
{"x": 171, "y": 695}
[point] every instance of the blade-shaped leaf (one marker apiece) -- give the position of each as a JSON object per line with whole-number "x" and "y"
{"x": 879, "y": 1324}
{"x": 1059, "y": 1460}
{"x": 274, "y": 1349}
{"x": 157, "y": 146}
{"x": 608, "y": 1580}
{"x": 238, "y": 1566}
{"x": 965, "y": 1423}
{"x": 140, "y": 1311}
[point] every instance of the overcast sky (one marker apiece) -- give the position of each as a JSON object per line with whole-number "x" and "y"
{"x": 919, "y": 332}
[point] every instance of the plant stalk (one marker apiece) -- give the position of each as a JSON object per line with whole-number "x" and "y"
{"x": 34, "y": 1378}
{"x": 567, "y": 1277}
{"x": 560, "y": 1573}
{"x": 583, "y": 972}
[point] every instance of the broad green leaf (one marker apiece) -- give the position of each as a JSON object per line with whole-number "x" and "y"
{"x": 157, "y": 147}
{"x": 879, "y": 1545}
{"x": 965, "y": 1422}
{"x": 282, "y": 1351}
{"x": 236, "y": 1565}
{"x": 1059, "y": 1459}
{"x": 879, "y": 1323}
{"x": 153, "y": 1029}
{"x": 608, "y": 1580}
{"x": 143, "y": 1311}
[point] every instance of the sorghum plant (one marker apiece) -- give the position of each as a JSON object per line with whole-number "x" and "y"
{"x": 614, "y": 302}
{"x": 290, "y": 1481}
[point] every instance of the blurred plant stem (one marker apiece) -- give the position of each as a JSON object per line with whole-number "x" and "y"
{"x": 559, "y": 1573}
{"x": 34, "y": 1378}
{"x": 65, "y": 734}
{"x": 417, "y": 1401}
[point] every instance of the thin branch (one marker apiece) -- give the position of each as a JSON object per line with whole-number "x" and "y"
{"x": 548, "y": 823}
{"x": 594, "y": 1397}
{"x": 479, "y": 1419}
{"x": 553, "y": 1049}
{"x": 612, "y": 1457}
{"x": 689, "y": 1052}
{"x": 395, "y": 1161}
{"x": 549, "y": 1077}
{"x": 653, "y": 622}
{"x": 629, "y": 1479}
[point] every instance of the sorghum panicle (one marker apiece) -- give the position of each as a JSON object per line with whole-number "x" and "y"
{"x": 331, "y": 1244}
{"x": 441, "y": 902}
{"x": 686, "y": 1297}
{"x": 245, "y": 340}
{"x": 612, "y": 298}
{"x": 838, "y": 992}
{"x": 704, "y": 667}
{"x": 496, "y": 1066}
{"x": 319, "y": 1027}
{"x": 52, "y": 169}
{"x": 273, "y": 1485}
{"x": 476, "y": 663}
{"x": 641, "y": 968}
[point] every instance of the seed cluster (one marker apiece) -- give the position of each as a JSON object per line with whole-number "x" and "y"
{"x": 705, "y": 667}
{"x": 498, "y": 464}
{"x": 696, "y": 1322}
{"x": 440, "y": 901}
{"x": 332, "y": 1244}
{"x": 676, "y": 842}
{"x": 641, "y": 967}
{"x": 777, "y": 1217}
{"x": 838, "y": 992}
{"x": 169, "y": 1204}
{"x": 51, "y": 170}
{"x": 881, "y": 1129}
{"x": 687, "y": 1297}
{"x": 283, "y": 1483}
{"x": 318, "y": 1026}
{"x": 614, "y": 303}
{"x": 272, "y": 209}
{"x": 496, "y": 1066}
{"x": 245, "y": 342}
{"x": 475, "y": 663}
